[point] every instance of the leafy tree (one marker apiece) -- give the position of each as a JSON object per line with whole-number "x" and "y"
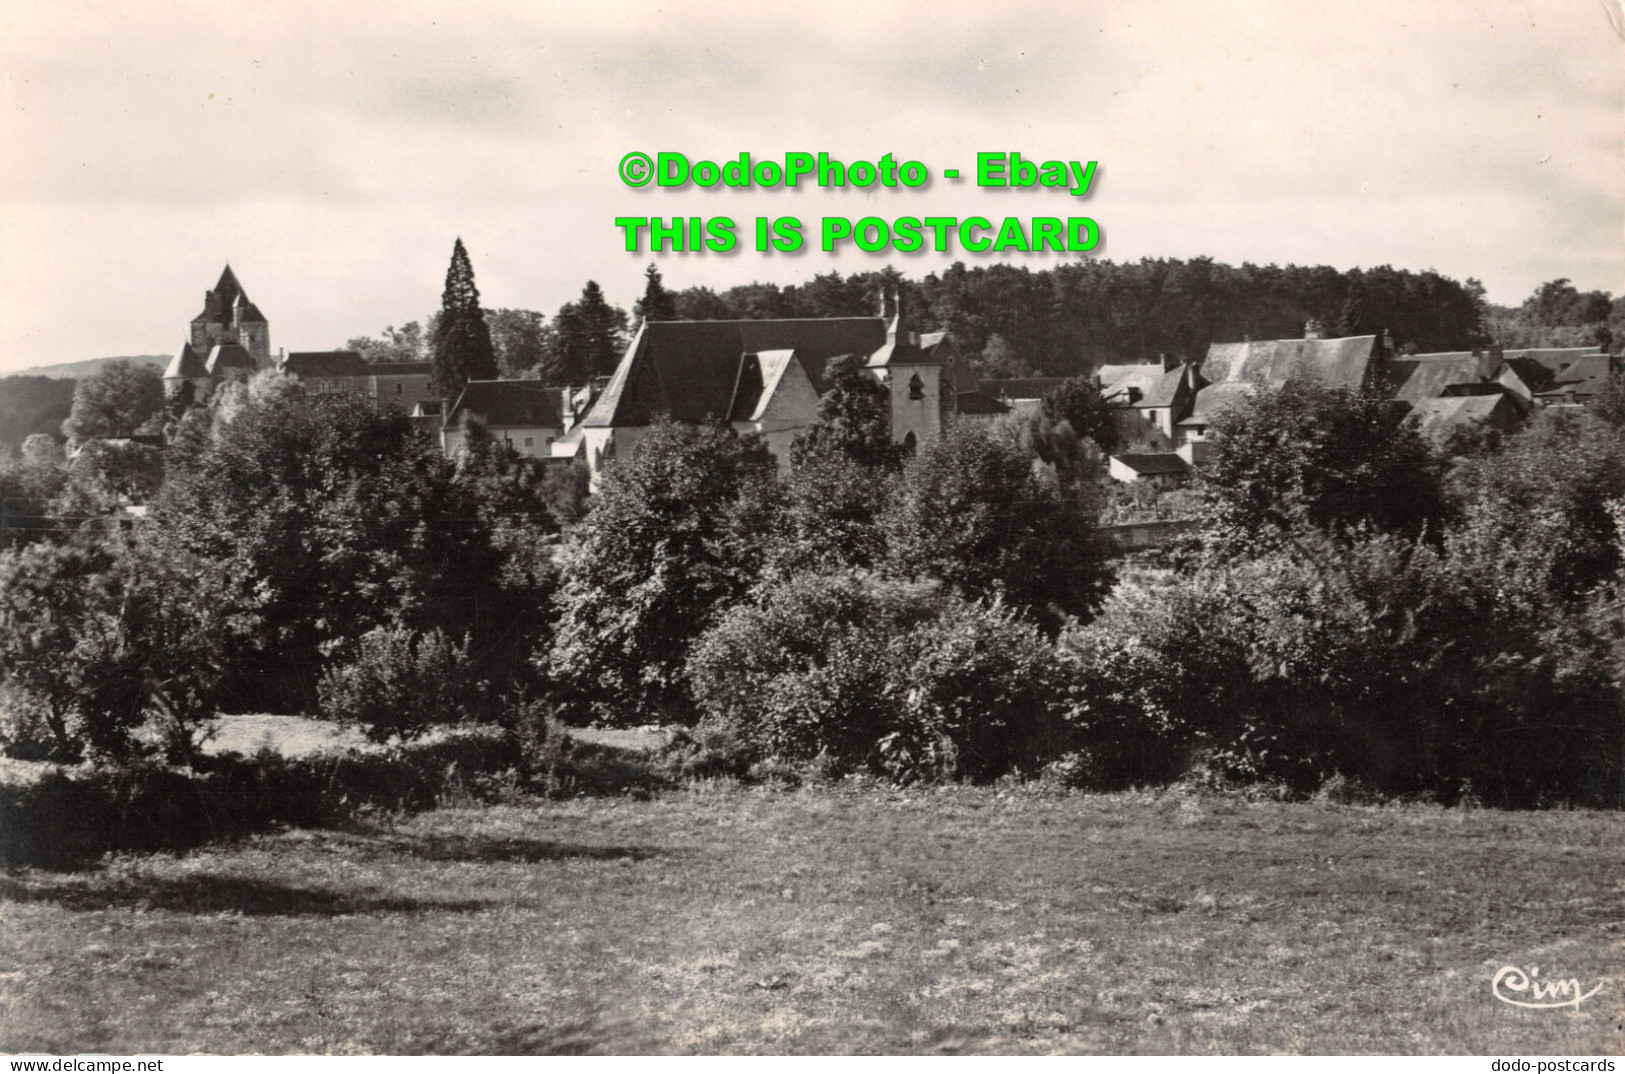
{"x": 462, "y": 340}
{"x": 403, "y": 344}
{"x": 116, "y": 400}
{"x": 1547, "y": 493}
{"x": 1327, "y": 458}
{"x": 1000, "y": 359}
{"x": 702, "y": 304}
{"x": 854, "y": 418}
{"x": 977, "y": 510}
{"x": 338, "y": 518}
{"x": 521, "y": 339}
{"x": 589, "y": 336}
{"x": 657, "y": 303}
{"x": 565, "y": 489}
{"x": 1079, "y": 404}
{"x": 27, "y": 489}
{"x": 1610, "y": 402}
{"x": 673, "y": 538}
{"x": 101, "y": 639}
{"x": 829, "y": 513}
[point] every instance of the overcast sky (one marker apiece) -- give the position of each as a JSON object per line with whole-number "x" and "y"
{"x": 332, "y": 152}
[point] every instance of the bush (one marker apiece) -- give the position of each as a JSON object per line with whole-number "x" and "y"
{"x": 68, "y": 815}
{"x": 401, "y": 683}
{"x": 864, "y": 671}
{"x": 1405, "y": 668}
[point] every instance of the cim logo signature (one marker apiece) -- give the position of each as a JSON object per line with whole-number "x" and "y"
{"x": 1512, "y": 985}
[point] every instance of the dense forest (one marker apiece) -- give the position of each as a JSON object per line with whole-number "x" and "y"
{"x": 1064, "y": 320}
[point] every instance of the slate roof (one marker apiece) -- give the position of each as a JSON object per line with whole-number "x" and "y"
{"x": 1116, "y": 380}
{"x": 1436, "y": 419}
{"x": 1425, "y": 376}
{"x": 325, "y": 364}
{"x": 1531, "y": 374}
{"x": 978, "y": 402}
{"x": 186, "y": 364}
{"x": 1553, "y": 359}
{"x": 1581, "y": 379}
{"x": 228, "y": 295}
{"x": 1166, "y": 390}
{"x": 1332, "y": 363}
{"x": 759, "y": 377}
{"x": 1216, "y": 398}
{"x": 508, "y": 404}
{"x": 1151, "y": 463}
{"x": 227, "y": 357}
{"x": 691, "y": 370}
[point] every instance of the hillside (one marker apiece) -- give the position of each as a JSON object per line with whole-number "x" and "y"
{"x": 75, "y": 370}
{"x": 32, "y": 404}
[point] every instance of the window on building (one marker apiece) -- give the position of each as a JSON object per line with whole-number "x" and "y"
{"x": 400, "y": 389}
{"x": 916, "y": 387}
{"x": 530, "y": 445}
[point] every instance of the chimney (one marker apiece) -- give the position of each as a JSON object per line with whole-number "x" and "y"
{"x": 1387, "y": 341}
{"x": 1167, "y": 363}
{"x": 1313, "y": 329}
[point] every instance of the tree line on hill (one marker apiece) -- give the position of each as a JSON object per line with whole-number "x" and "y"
{"x": 1059, "y": 321}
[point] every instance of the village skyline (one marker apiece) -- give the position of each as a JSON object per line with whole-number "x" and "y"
{"x": 332, "y": 157}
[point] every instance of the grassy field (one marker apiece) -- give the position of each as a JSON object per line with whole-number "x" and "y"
{"x": 851, "y": 918}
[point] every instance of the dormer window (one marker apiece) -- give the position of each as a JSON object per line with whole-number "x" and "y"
{"x": 916, "y": 387}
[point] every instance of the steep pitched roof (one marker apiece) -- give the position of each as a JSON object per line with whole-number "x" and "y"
{"x": 226, "y": 296}
{"x": 1437, "y": 418}
{"x": 1332, "y": 363}
{"x": 690, "y": 370}
{"x": 325, "y": 364}
{"x": 759, "y": 377}
{"x": 1116, "y": 380}
{"x": 1552, "y": 358}
{"x": 1581, "y": 378}
{"x": 1165, "y": 392}
{"x": 508, "y": 404}
{"x": 186, "y": 364}
{"x": 1425, "y": 376}
{"x": 229, "y": 357}
{"x": 1217, "y": 398}
{"x": 1532, "y": 375}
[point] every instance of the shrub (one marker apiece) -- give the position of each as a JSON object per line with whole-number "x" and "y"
{"x": 63, "y": 816}
{"x": 401, "y": 683}
{"x": 1405, "y": 668}
{"x": 861, "y": 670}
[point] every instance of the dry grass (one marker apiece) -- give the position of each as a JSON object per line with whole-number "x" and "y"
{"x": 845, "y": 919}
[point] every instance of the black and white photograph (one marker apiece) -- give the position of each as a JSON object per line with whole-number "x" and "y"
{"x": 812, "y": 529}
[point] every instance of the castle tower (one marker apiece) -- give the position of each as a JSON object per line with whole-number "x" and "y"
{"x": 230, "y": 317}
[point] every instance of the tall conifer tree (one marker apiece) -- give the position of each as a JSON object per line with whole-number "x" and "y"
{"x": 462, "y": 340}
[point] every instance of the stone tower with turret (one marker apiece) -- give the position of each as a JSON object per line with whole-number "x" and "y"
{"x": 230, "y": 317}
